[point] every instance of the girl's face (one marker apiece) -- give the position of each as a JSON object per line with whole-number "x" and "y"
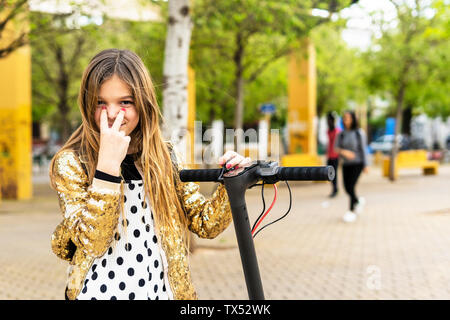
{"x": 114, "y": 95}
{"x": 347, "y": 119}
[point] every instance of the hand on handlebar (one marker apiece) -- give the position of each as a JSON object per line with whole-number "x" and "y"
{"x": 234, "y": 162}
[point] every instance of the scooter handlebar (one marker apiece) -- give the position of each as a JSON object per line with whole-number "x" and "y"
{"x": 279, "y": 173}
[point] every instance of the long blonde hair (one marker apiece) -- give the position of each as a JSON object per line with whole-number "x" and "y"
{"x": 154, "y": 158}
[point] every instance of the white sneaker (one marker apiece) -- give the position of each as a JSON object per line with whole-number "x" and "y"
{"x": 359, "y": 207}
{"x": 349, "y": 216}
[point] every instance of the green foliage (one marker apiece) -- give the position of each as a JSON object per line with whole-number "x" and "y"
{"x": 340, "y": 70}
{"x": 413, "y": 55}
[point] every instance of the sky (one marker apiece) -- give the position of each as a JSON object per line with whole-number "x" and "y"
{"x": 359, "y": 29}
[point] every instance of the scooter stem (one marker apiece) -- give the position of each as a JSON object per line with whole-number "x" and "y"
{"x": 236, "y": 187}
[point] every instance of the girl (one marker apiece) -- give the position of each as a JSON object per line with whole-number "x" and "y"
{"x": 332, "y": 155}
{"x": 351, "y": 146}
{"x": 125, "y": 210}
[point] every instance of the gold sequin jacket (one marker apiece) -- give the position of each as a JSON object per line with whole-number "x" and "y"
{"x": 91, "y": 213}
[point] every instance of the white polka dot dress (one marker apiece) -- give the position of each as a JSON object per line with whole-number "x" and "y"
{"x": 133, "y": 269}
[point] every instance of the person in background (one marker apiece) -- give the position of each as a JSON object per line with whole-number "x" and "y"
{"x": 332, "y": 155}
{"x": 351, "y": 146}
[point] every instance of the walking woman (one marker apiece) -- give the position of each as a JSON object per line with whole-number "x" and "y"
{"x": 125, "y": 210}
{"x": 332, "y": 155}
{"x": 351, "y": 146}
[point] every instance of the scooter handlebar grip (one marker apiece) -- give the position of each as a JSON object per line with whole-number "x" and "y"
{"x": 306, "y": 173}
{"x": 201, "y": 175}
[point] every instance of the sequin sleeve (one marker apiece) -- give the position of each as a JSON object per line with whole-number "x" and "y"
{"x": 207, "y": 217}
{"x": 90, "y": 211}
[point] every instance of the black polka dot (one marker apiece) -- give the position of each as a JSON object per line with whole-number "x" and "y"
{"x": 117, "y": 236}
{"x": 113, "y": 298}
{"x": 128, "y": 246}
{"x": 141, "y": 282}
{"x": 164, "y": 288}
{"x": 147, "y": 227}
{"x": 144, "y": 204}
{"x": 157, "y": 298}
{"x": 145, "y": 243}
{"x": 122, "y": 286}
{"x": 93, "y": 298}
{"x": 155, "y": 240}
{"x": 111, "y": 275}
{"x": 155, "y": 288}
{"x": 84, "y": 290}
{"x": 124, "y": 199}
{"x": 130, "y": 272}
{"x": 119, "y": 261}
{"x": 149, "y": 252}
{"x": 94, "y": 276}
{"x": 161, "y": 275}
{"x": 133, "y": 209}
{"x": 143, "y": 219}
{"x": 110, "y": 251}
{"x": 125, "y": 222}
{"x": 104, "y": 263}
{"x": 131, "y": 186}
{"x": 136, "y": 233}
{"x": 156, "y": 263}
{"x": 149, "y": 276}
{"x": 94, "y": 267}
{"x": 152, "y": 215}
{"x": 131, "y": 296}
{"x": 103, "y": 288}
{"x": 139, "y": 258}
{"x": 139, "y": 196}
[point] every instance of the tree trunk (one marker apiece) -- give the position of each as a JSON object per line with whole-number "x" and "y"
{"x": 407, "y": 117}
{"x": 175, "y": 91}
{"x": 398, "y": 124}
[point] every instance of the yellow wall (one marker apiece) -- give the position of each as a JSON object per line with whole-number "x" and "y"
{"x": 15, "y": 124}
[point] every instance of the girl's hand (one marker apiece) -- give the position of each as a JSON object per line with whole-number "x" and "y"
{"x": 235, "y": 161}
{"x": 113, "y": 144}
{"x": 366, "y": 169}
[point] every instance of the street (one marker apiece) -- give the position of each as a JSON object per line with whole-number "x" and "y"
{"x": 397, "y": 249}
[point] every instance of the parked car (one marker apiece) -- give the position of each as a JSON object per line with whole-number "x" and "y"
{"x": 385, "y": 143}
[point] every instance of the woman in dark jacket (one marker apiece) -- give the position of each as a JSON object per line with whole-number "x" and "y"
{"x": 351, "y": 146}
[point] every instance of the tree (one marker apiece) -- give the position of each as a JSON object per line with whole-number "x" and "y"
{"x": 176, "y": 56}
{"x": 401, "y": 56}
{"x": 340, "y": 70}
{"x": 57, "y": 58}
{"x": 252, "y": 35}
{"x": 13, "y": 12}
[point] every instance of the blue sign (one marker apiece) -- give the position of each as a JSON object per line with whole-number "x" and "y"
{"x": 390, "y": 126}
{"x": 267, "y": 108}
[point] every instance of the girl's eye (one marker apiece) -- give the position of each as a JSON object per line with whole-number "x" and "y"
{"x": 100, "y": 103}
{"x": 127, "y": 102}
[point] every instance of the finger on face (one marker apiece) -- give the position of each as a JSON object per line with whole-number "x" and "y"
{"x": 118, "y": 121}
{"x": 103, "y": 120}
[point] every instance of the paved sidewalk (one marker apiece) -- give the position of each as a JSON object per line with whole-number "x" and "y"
{"x": 398, "y": 249}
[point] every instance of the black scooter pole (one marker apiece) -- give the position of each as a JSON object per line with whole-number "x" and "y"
{"x": 236, "y": 187}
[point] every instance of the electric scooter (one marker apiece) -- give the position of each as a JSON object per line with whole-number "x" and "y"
{"x": 236, "y": 184}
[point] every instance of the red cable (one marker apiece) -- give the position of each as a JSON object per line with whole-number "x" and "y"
{"x": 268, "y": 210}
